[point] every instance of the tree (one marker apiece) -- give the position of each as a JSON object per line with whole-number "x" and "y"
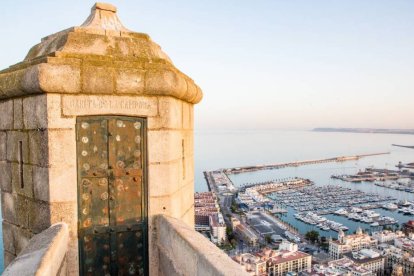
{"x": 268, "y": 239}
{"x": 312, "y": 236}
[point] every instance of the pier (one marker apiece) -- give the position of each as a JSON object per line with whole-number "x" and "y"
{"x": 298, "y": 163}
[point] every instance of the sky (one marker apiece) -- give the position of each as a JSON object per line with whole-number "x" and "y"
{"x": 262, "y": 64}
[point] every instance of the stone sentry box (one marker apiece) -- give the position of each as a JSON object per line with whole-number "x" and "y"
{"x": 100, "y": 68}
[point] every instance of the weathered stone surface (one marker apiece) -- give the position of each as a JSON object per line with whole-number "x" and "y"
{"x": 63, "y": 78}
{"x": 182, "y": 200}
{"x": 130, "y": 81}
{"x": 5, "y": 176}
{"x": 188, "y": 115}
{"x": 41, "y": 183}
{"x": 35, "y": 112}
{"x": 62, "y": 148}
{"x": 21, "y": 237}
{"x": 188, "y": 168}
{"x": 3, "y": 146}
{"x": 98, "y": 105}
{"x": 13, "y": 140}
{"x": 8, "y": 238}
{"x": 165, "y": 82}
{"x": 18, "y": 113}
{"x": 164, "y": 146}
{"x": 39, "y": 147}
{"x": 8, "y": 258}
{"x": 62, "y": 184}
{"x": 189, "y": 217}
{"x": 163, "y": 179}
{"x": 160, "y": 206}
{"x": 91, "y": 59}
{"x": 22, "y": 210}
{"x": 97, "y": 79}
{"x": 25, "y": 188}
{"x": 170, "y": 114}
{"x": 11, "y": 83}
{"x": 38, "y": 215}
{"x": 6, "y": 118}
{"x": 73, "y": 257}
{"x": 43, "y": 255}
{"x": 65, "y": 212}
{"x": 9, "y": 207}
{"x": 54, "y": 114}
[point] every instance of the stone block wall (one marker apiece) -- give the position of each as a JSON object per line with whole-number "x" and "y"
{"x": 45, "y": 126}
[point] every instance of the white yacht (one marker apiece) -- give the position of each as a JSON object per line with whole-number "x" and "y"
{"x": 390, "y": 206}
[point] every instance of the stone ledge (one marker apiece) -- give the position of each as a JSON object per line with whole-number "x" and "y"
{"x": 72, "y": 62}
{"x": 183, "y": 251}
{"x": 44, "y": 255}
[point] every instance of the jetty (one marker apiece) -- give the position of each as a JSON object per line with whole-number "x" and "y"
{"x": 298, "y": 163}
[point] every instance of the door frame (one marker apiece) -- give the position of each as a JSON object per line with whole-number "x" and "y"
{"x": 145, "y": 179}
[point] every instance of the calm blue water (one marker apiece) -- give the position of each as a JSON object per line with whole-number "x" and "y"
{"x": 215, "y": 150}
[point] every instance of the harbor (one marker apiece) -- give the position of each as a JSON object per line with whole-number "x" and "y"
{"x": 306, "y": 199}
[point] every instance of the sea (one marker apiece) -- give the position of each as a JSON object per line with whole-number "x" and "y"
{"x": 227, "y": 149}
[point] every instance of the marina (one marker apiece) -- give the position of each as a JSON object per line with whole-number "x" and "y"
{"x": 315, "y": 207}
{"x": 326, "y": 195}
{"x": 325, "y": 199}
{"x": 406, "y": 186}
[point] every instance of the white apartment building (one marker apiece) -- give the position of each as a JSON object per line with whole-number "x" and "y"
{"x": 387, "y": 236}
{"x": 368, "y": 259}
{"x": 218, "y": 229}
{"x": 350, "y": 243}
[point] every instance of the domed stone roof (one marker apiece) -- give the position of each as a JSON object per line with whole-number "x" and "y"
{"x": 99, "y": 57}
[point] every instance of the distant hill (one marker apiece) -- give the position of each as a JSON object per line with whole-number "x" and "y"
{"x": 365, "y": 130}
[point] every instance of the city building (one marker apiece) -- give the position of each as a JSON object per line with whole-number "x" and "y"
{"x": 406, "y": 244}
{"x": 288, "y": 261}
{"x": 369, "y": 259}
{"x": 248, "y": 235}
{"x": 254, "y": 265}
{"x": 275, "y": 262}
{"x": 205, "y": 205}
{"x": 341, "y": 267}
{"x": 348, "y": 267}
{"x": 397, "y": 257}
{"x": 386, "y": 235}
{"x": 217, "y": 229}
{"x": 349, "y": 243}
{"x": 234, "y": 222}
{"x": 288, "y": 246}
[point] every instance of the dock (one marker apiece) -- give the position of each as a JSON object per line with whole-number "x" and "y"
{"x": 298, "y": 163}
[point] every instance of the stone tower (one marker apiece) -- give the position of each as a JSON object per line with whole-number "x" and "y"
{"x": 96, "y": 130}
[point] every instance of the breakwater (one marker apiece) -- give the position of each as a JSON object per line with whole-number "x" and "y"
{"x": 245, "y": 169}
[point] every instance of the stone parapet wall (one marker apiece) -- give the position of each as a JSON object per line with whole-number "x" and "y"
{"x": 44, "y": 255}
{"x": 183, "y": 251}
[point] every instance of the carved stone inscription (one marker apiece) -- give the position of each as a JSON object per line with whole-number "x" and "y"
{"x": 90, "y": 105}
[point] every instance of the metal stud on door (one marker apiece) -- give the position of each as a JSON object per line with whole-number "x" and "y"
{"x": 112, "y": 195}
